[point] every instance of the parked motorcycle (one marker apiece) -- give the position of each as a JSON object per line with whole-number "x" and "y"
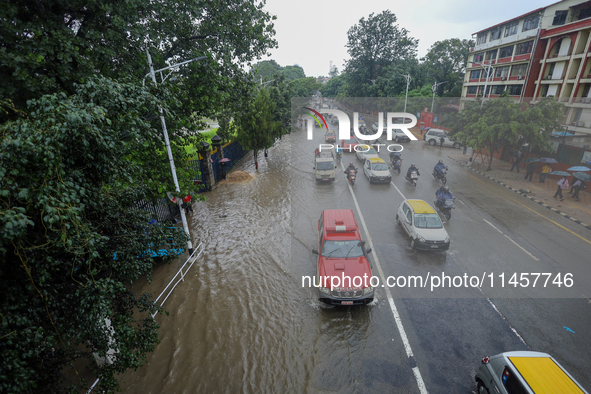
{"x": 440, "y": 176}
{"x": 396, "y": 165}
{"x": 351, "y": 176}
{"x": 445, "y": 207}
{"x": 413, "y": 178}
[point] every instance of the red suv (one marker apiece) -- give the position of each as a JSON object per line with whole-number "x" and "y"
{"x": 344, "y": 272}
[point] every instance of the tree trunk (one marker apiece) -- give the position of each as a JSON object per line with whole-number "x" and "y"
{"x": 490, "y": 158}
{"x": 256, "y": 163}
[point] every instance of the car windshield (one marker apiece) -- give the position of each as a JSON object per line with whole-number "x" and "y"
{"x": 351, "y": 141}
{"x": 341, "y": 249}
{"x": 379, "y": 167}
{"x": 427, "y": 220}
{"x": 366, "y": 151}
{"x": 330, "y": 133}
{"x": 325, "y": 165}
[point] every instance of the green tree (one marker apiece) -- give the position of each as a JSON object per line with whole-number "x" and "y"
{"x": 337, "y": 86}
{"x": 373, "y": 45}
{"x": 257, "y": 127}
{"x": 293, "y": 72}
{"x": 69, "y": 177}
{"x": 446, "y": 61}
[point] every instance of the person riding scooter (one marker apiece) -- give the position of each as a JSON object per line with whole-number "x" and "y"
{"x": 411, "y": 169}
{"x": 394, "y": 157}
{"x": 443, "y": 194}
{"x": 440, "y": 168}
{"x": 351, "y": 167}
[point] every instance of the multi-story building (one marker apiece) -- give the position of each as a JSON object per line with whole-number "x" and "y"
{"x": 545, "y": 52}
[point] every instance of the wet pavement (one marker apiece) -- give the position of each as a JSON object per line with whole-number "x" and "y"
{"x": 243, "y": 322}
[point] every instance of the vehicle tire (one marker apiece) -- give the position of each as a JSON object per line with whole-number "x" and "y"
{"x": 414, "y": 183}
{"x": 352, "y": 182}
{"x": 432, "y": 142}
{"x": 480, "y": 389}
{"x": 447, "y": 215}
{"x": 398, "y": 171}
{"x": 457, "y": 145}
{"x": 412, "y": 243}
{"x": 396, "y": 139}
{"x": 444, "y": 180}
{"x": 397, "y": 220}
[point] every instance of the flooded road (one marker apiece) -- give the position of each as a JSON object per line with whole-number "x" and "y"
{"x": 243, "y": 322}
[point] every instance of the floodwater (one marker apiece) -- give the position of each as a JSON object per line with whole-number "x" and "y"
{"x": 242, "y": 322}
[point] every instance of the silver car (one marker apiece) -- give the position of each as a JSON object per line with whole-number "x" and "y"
{"x": 422, "y": 225}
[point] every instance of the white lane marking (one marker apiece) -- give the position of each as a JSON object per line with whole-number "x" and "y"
{"x": 393, "y": 308}
{"x": 397, "y": 189}
{"x": 509, "y": 238}
{"x": 504, "y": 318}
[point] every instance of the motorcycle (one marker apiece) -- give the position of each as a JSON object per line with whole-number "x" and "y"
{"x": 445, "y": 207}
{"x": 414, "y": 177}
{"x": 440, "y": 176}
{"x": 351, "y": 176}
{"x": 396, "y": 165}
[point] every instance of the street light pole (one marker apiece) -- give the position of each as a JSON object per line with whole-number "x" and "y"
{"x": 152, "y": 74}
{"x": 434, "y": 87}
{"x": 488, "y": 68}
{"x": 408, "y": 78}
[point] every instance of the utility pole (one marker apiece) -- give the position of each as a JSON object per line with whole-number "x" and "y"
{"x": 434, "y": 87}
{"x": 488, "y": 68}
{"x": 408, "y": 78}
{"x": 152, "y": 74}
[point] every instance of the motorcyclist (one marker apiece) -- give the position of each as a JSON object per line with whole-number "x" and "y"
{"x": 443, "y": 194}
{"x": 411, "y": 169}
{"x": 351, "y": 167}
{"x": 394, "y": 157}
{"x": 439, "y": 168}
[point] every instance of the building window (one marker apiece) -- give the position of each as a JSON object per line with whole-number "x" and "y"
{"x": 584, "y": 13}
{"x": 495, "y": 34}
{"x": 472, "y": 89}
{"x": 481, "y": 38}
{"x": 511, "y": 29}
{"x": 475, "y": 74}
{"x": 502, "y": 72}
{"x": 519, "y": 70}
{"x": 498, "y": 89}
{"x": 506, "y": 52}
{"x": 514, "y": 90}
{"x": 544, "y": 92}
{"x": 524, "y": 47}
{"x": 550, "y": 71}
{"x": 491, "y": 55}
{"x": 479, "y": 57}
{"x": 559, "y": 18}
{"x": 481, "y": 90}
{"x": 531, "y": 23}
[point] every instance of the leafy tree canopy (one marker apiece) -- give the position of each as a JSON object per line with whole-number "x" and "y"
{"x": 446, "y": 61}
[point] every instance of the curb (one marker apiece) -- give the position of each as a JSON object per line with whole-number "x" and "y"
{"x": 524, "y": 195}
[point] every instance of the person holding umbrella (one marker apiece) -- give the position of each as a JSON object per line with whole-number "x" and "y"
{"x": 562, "y": 185}
{"x": 580, "y": 183}
{"x": 530, "y": 169}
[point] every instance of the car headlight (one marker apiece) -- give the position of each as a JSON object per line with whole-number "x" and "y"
{"x": 324, "y": 290}
{"x": 421, "y": 239}
{"x": 367, "y": 290}
{"x": 446, "y": 240}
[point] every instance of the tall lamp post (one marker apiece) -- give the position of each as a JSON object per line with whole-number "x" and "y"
{"x": 152, "y": 74}
{"x": 488, "y": 68}
{"x": 434, "y": 87}
{"x": 408, "y": 78}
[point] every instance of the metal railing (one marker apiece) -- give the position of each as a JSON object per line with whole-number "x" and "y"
{"x": 191, "y": 260}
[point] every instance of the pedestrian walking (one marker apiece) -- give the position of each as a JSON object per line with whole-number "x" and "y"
{"x": 187, "y": 204}
{"x": 529, "y": 170}
{"x": 422, "y": 128}
{"x": 465, "y": 149}
{"x": 517, "y": 156}
{"x": 441, "y": 139}
{"x": 562, "y": 185}
{"x": 546, "y": 169}
{"x": 578, "y": 186}
{"x": 575, "y": 179}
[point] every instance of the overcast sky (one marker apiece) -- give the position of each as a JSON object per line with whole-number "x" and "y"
{"x": 311, "y": 33}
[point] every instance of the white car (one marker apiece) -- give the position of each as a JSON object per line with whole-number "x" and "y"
{"x": 376, "y": 170}
{"x": 433, "y": 137}
{"x": 422, "y": 225}
{"x": 365, "y": 151}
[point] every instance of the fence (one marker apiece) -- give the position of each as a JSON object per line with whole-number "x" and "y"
{"x": 197, "y": 167}
{"x": 162, "y": 210}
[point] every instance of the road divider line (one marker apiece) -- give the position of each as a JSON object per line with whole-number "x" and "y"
{"x": 397, "y": 319}
{"x": 509, "y": 238}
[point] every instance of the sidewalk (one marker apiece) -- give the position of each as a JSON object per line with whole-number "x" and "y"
{"x": 542, "y": 193}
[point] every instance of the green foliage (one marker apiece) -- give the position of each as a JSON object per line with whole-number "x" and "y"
{"x": 503, "y": 122}
{"x": 446, "y": 61}
{"x": 293, "y": 72}
{"x": 374, "y": 45}
{"x": 69, "y": 175}
{"x": 257, "y": 128}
